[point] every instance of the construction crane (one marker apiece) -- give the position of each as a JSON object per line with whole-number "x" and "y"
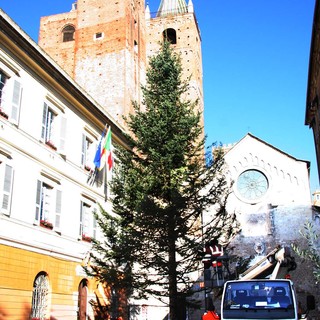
{"x": 275, "y": 265}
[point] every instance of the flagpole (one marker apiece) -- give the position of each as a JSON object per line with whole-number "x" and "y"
{"x": 106, "y": 187}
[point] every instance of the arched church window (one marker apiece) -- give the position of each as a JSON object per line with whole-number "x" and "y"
{"x": 68, "y": 33}
{"x": 170, "y": 35}
{"x": 40, "y": 297}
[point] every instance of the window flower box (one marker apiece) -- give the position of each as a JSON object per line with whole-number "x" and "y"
{"x": 46, "y": 224}
{"x": 3, "y": 114}
{"x": 51, "y": 145}
{"x": 86, "y": 238}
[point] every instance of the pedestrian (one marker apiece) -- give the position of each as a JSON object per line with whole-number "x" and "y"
{"x": 210, "y": 314}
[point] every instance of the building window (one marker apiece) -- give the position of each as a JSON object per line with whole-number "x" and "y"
{"x": 10, "y": 97}
{"x": 82, "y": 299}
{"x": 3, "y": 80}
{"x": 47, "y": 124}
{"x": 135, "y": 46}
{"x": 87, "y": 153}
{"x": 53, "y": 129}
{"x": 98, "y": 36}
{"x": 40, "y": 297}
{"x": 6, "y": 174}
{"x": 88, "y": 223}
{"x": 48, "y": 205}
{"x": 252, "y": 185}
{"x": 68, "y": 33}
{"x": 170, "y": 35}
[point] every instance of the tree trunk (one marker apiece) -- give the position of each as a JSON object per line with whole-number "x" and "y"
{"x": 173, "y": 290}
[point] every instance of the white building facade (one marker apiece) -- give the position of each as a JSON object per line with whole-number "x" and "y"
{"x": 49, "y": 132}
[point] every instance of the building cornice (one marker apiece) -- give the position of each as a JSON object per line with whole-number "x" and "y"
{"x": 313, "y": 58}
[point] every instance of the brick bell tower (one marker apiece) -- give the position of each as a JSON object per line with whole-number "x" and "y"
{"x": 105, "y": 45}
{"x": 175, "y": 21}
{"x": 101, "y": 44}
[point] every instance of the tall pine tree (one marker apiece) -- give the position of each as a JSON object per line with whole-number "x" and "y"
{"x": 161, "y": 186}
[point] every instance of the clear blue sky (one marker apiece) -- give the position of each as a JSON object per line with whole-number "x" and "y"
{"x": 255, "y": 65}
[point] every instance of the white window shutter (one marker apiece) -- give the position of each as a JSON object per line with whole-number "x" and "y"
{"x": 7, "y": 189}
{"x": 83, "y": 150}
{"x": 58, "y": 209}
{"x": 94, "y": 225}
{"x": 44, "y": 122}
{"x": 81, "y": 218}
{"x": 38, "y": 200}
{"x": 63, "y": 135}
{"x": 16, "y": 100}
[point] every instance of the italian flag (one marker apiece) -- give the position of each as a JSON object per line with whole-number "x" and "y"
{"x": 104, "y": 152}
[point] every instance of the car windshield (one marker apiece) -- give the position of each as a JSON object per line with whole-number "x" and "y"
{"x": 258, "y": 295}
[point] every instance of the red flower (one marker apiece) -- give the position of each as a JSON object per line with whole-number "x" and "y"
{"x": 51, "y": 145}
{"x": 87, "y": 168}
{"x": 45, "y": 223}
{"x": 86, "y": 238}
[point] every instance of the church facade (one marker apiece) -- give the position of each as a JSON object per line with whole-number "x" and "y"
{"x": 271, "y": 198}
{"x": 269, "y": 186}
